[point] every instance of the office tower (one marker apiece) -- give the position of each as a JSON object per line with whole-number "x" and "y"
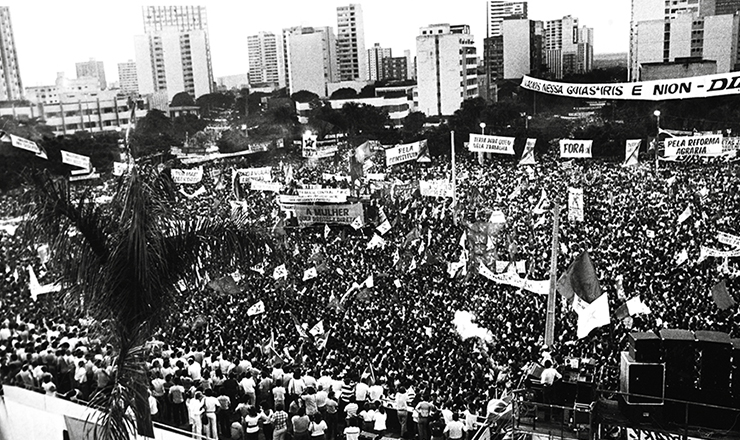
{"x": 127, "y": 77}
{"x": 522, "y": 47}
{"x": 11, "y": 87}
{"x": 498, "y": 10}
{"x": 312, "y": 61}
{"x": 190, "y": 22}
{"x": 568, "y": 48}
{"x": 446, "y": 68}
{"x": 375, "y": 56}
{"x": 92, "y": 69}
{"x": 263, "y": 59}
{"x": 351, "y": 55}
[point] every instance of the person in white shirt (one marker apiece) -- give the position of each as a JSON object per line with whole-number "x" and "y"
{"x": 455, "y": 429}
{"x": 195, "y": 409}
{"x": 547, "y": 378}
{"x": 210, "y": 406}
{"x": 379, "y": 420}
{"x": 248, "y": 386}
{"x": 361, "y": 392}
{"x": 194, "y": 370}
{"x": 402, "y": 408}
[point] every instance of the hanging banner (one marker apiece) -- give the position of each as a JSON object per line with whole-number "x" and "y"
{"x": 482, "y": 143}
{"x": 259, "y": 185}
{"x": 528, "y": 153}
{"x": 521, "y": 266}
{"x": 76, "y": 160}
{"x": 575, "y": 204}
{"x": 435, "y": 188}
{"x": 512, "y": 279}
{"x": 323, "y": 195}
{"x": 705, "y": 252}
{"x": 575, "y": 148}
{"x": 705, "y": 86}
{"x": 728, "y": 239}
{"x": 341, "y": 214}
{"x": 248, "y": 174}
{"x": 402, "y": 153}
{"x": 187, "y": 176}
{"x": 631, "y": 152}
{"x": 705, "y": 146}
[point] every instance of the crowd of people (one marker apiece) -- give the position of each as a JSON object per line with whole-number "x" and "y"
{"x": 391, "y": 344}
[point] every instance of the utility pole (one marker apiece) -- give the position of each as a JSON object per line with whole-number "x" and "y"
{"x": 550, "y": 320}
{"x": 453, "y": 176}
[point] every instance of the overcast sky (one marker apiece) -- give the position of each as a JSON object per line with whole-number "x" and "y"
{"x": 51, "y": 36}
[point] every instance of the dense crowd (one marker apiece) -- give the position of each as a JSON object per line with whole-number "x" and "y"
{"x": 392, "y": 344}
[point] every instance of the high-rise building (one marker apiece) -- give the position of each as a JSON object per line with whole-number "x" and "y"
{"x": 173, "y": 61}
{"x": 498, "y": 10}
{"x": 262, "y": 50}
{"x": 92, "y": 69}
{"x": 351, "y": 55}
{"x": 11, "y": 87}
{"x": 312, "y": 61}
{"x": 375, "y": 56}
{"x": 522, "y": 47}
{"x": 395, "y": 68}
{"x": 410, "y": 65}
{"x": 446, "y": 68}
{"x": 185, "y": 20}
{"x": 127, "y": 77}
{"x": 568, "y": 48}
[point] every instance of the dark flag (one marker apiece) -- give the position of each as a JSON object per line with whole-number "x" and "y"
{"x": 721, "y": 297}
{"x": 580, "y": 279}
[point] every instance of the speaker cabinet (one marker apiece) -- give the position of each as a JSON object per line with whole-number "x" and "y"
{"x": 679, "y": 356}
{"x": 645, "y": 347}
{"x": 715, "y": 351}
{"x": 643, "y": 382}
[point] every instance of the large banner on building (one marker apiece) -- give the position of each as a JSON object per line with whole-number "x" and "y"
{"x": 705, "y": 86}
{"x": 341, "y": 214}
{"x": 575, "y": 148}
{"x": 402, "y": 153}
{"x": 481, "y": 143}
{"x": 705, "y": 145}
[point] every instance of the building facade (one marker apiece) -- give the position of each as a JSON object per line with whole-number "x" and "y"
{"x": 92, "y": 69}
{"x": 375, "y": 56}
{"x": 127, "y": 77}
{"x": 351, "y": 54}
{"x": 395, "y": 68}
{"x": 498, "y": 10}
{"x": 262, "y": 50}
{"x": 312, "y": 61}
{"x": 446, "y": 68}
{"x": 522, "y": 47}
{"x": 568, "y": 47}
{"x": 178, "y": 49}
{"x": 11, "y": 87}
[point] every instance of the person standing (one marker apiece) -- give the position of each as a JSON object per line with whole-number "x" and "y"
{"x": 402, "y": 408}
{"x": 279, "y": 420}
{"x": 547, "y": 378}
{"x": 224, "y": 414}
{"x": 177, "y": 397}
{"x": 424, "y": 408}
{"x": 300, "y": 424}
{"x": 210, "y": 406}
{"x": 454, "y": 430}
{"x": 318, "y": 427}
{"x": 195, "y": 410}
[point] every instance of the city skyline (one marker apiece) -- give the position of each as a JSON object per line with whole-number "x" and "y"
{"x": 95, "y": 30}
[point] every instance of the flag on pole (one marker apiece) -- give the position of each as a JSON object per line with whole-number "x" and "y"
{"x": 298, "y": 327}
{"x": 376, "y": 241}
{"x": 280, "y": 272}
{"x": 256, "y": 309}
{"x": 580, "y": 279}
{"x": 542, "y": 205}
{"x": 682, "y": 257}
{"x": 37, "y": 289}
{"x": 721, "y": 296}
{"x": 684, "y": 215}
{"x": 356, "y": 223}
{"x": 384, "y": 227}
{"x": 317, "y": 329}
{"x": 322, "y": 340}
{"x": 632, "y": 307}
{"x": 631, "y": 152}
{"x": 593, "y": 316}
{"x": 369, "y": 282}
{"x": 326, "y": 231}
{"x": 310, "y": 274}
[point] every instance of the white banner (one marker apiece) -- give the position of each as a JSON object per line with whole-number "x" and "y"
{"x": 119, "y": 168}
{"x": 308, "y": 144}
{"x": 728, "y": 239}
{"x": 25, "y": 144}
{"x": 76, "y": 160}
{"x": 248, "y": 174}
{"x": 260, "y": 185}
{"x": 521, "y": 266}
{"x": 512, "y": 279}
{"x": 187, "y": 176}
{"x": 375, "y": 176}
{"x": 709, "y": 252}
{"x": 706, "y": 145}
{"x": 528, "y": 153}
{"x": 436, "y": 188}
{"x": 704, "y": 86}
{"x": 402, "y": 153}
{"x": 92, "y": 175}
{"x": 631, "y": 152}
{"x": 575, "y": 148}
{"x": 575, "y": 204}
{"x": 324, "y": 195}
{"x": 491, "y": 144}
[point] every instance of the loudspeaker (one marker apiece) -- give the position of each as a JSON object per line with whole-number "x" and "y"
{"x": 735, "y": 370}
{"x": 679, "y": 356}
{"x": 715, "y": 351}
{"x": 645, "y": 347}
{"x": 647, "y": 380}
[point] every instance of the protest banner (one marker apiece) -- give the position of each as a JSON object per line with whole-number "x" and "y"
{"x": 120, "y": 168}
{"x": 76, "y": 160}
{"x": 187, "y": 176}
{"x": 482, "y": 143}
{"x": 259, "y": 185}
{"x": 705, "y": 145}
{"x": 402, "y": 153}
{"x": 631, "y": 152}
{"x": 340, "y": 214}
{"x": 528, "y": 153}
{"x": 248, "y": 174}
{"x": 575, "y": 148}
{"x": 325, "y": 195}
{"x": 512, "y": 279}
{"x": 575, "y": 204}
{"x": 435, "y": 188}
{"x": 728, "y": 239}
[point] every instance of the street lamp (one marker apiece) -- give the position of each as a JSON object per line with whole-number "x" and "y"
{"x": 482, "y": 126}
{"x": 656, "y": 113}
{"x": 481, "y": 155}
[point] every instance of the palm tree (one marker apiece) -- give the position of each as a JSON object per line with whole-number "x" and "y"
{"x": 121, "y": 264}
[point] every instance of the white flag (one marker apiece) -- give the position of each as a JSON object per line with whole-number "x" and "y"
{"x": 376, "y": 241}
{"x": 635, "y": 306}
{"x": 682, "y": 257}
{"x": 542, "y": 205}
{"x": 397, "y": 283}
{"x": 369, "y": 282}
{"x": 384, "y": 227}
{"x": 631, "y": 152}
{"x": 593, "y": 316}
{"x": 326, "y": 231}
{"x": 310, "y": 274}
{"x": 317, "y": 329}
{"x": 280, "y": 272}
{"x": 356, "y": 223}
{"x": 256, "y": 309}
{"x": 37, "y": 289}
{"x": 684, "y": 215}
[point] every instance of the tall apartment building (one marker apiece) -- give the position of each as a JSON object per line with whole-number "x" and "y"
{"x": 446, "y": 68}
{"x": 174, "y": 66}
{"x": 127, "y": 77}
{"x": 410, "y": 65}
{"x": 173, "y": 61}
{"x": 498, "y": 10}
{"x": 351, "y": 55}
{"x": 92, "y": 69}
{"x": 523, "y": 44}
{"x": 262, "y": 50}
{"x": 311, "y": 59}
{"x": 568, "y": 48}
{"x": 11, "y": 87}
{"x": 672, "y": 17}
{"x": 375, "y": 56}
{"x": 395, "y": 68}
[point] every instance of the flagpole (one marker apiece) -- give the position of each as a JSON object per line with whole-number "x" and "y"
{"x": 454, "y": 181}
{"x": 550, "y": 320}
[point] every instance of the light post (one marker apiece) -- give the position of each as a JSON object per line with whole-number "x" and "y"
{"x": 482, "y": 126}
{"x": 656, "y": 113}
{"x": 481, "y": 155}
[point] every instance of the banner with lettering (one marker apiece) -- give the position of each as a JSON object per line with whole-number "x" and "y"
{"x": 403, "y": 153}
{"x": 705, "y": 252}
{"x": 575, "y": 204}
{"x": 512, "y": 279}
{"x": 187, "y": 176}
{"x": 308, "y": 144}
{"x": 76, "y": 160}
{"x": 528, "y": 153}
{"x": 340, "y": 214}
{"x": 404, "y": 190}
{"x": 520, "y": 266}
{"x": 631, "y": 152}
{"x": 326, "y": 195}
{"x": 436, "y": 188}
{"x": 25, "y": 144}
{"x": 728, "y": 239}
{"x": 575, "y": 148}
{"x": 704, "y": 86}
{"x": 246, "y": 175}
{"x": 260, "y": 185}
{"x": 119, "y": 168}
{"x": 482, "y": 143}
{"x": 705, "y": 145}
